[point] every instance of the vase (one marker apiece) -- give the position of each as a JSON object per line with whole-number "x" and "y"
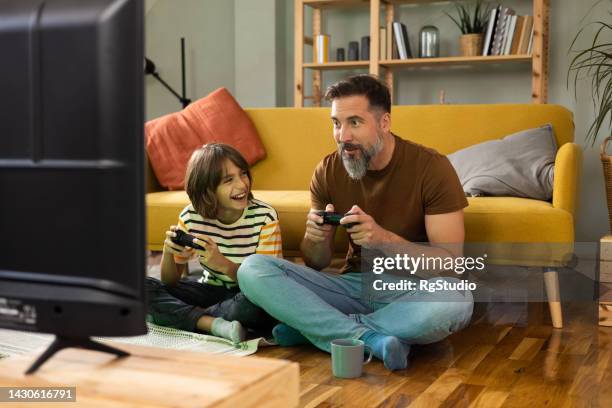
{"x": 429, "y": 42}
{"x": 471, "y": 44}
{"x": 340, "y": 54}
{"x": 353, "y": 51}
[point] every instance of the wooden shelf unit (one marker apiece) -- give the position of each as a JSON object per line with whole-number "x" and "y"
{"x": 338, "y": 65}
{"x": 538, "y": 57}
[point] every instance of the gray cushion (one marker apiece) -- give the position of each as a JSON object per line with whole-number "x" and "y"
{"x": 519, "y": 165}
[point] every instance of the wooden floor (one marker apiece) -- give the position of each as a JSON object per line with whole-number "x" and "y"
{"x": 509, "y": 356}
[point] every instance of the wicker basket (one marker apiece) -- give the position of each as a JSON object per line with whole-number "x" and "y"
{"x": 607, "y": 169}
{"x": 471, "y": 44}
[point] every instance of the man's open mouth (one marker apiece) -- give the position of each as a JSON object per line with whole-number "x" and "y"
{"x": 350, "y": 148}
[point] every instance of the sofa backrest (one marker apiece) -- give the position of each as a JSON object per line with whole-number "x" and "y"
{"x": 296, "y": 139}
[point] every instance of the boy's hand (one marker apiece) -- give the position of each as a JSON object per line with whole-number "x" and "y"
{"x": 211, "y": 255}
{"x": 173, "y": 248}
{"x": 316, "y": 231}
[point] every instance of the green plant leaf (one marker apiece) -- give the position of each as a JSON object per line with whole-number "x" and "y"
{"x": 455, "y": 21}
{"x": 471, "y": 21}
{"x": 595, "y": 62}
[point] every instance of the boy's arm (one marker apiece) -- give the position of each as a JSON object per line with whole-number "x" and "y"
{"x": 174, "y": 257}
{"x": 171, "y": 272}
{"x": 270, "y": 241}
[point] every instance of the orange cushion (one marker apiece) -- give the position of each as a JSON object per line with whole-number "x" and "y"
{"x": 171, "y": 139}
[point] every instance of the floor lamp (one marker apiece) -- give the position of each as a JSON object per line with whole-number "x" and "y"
{"x": 150, "y": 69}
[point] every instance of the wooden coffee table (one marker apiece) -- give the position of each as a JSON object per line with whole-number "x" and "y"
{"x": 154, "y": 377}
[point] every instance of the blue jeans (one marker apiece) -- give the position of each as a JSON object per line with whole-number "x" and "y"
{"x": 182, "y": 305}
{"x": 325, "y": 307}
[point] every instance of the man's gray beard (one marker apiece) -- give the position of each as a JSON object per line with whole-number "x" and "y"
{"x": 357, "y": 167}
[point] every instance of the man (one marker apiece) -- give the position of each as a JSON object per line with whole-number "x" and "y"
{"x": 397, "y": 193}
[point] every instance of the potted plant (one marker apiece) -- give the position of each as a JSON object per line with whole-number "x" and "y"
{"x": 472, "y": 25}
{"x": 595, "y": 62}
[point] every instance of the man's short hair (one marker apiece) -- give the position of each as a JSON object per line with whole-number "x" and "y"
{"x": 204, "y": 173}
{"x": 375, "y": 91}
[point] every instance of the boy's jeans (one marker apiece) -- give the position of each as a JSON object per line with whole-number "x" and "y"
{"x": 181, "y": 306}
{"x": 325, "y": 307}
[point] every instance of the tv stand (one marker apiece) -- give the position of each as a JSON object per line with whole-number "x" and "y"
{"x": 62, "y": 342}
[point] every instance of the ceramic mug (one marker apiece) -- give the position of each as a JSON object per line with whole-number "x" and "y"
{"x": 347, "y": 357}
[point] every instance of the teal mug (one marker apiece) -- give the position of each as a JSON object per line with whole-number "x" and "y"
{"x": 347, "y": 357}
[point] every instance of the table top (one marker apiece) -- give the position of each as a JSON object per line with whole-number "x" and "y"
{"x": 155, "y": 377}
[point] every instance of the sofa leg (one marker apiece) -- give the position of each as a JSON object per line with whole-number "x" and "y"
{"x": 551, "y": 283}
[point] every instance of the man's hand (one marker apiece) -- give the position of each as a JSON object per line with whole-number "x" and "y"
{"x": 316, "y": 231}
{"x": 173, "y": 248}
{"x": 366, "y": 232}
{"x": 318, "y": 240}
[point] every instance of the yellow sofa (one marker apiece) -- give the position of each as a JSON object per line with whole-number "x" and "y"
{"x": 296, "y": 139}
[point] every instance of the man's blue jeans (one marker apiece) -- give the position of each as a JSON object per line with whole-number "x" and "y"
{"x": 325, "y": 307}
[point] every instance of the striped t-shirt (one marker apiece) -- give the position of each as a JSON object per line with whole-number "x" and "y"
{"x": 256, "y": 232}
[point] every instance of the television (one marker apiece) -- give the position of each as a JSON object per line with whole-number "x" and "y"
{"x": 72, "y": 252}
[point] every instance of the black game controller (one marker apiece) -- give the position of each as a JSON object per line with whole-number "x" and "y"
{"x": 184, "y": 239}
{"x": 333, "y": 218}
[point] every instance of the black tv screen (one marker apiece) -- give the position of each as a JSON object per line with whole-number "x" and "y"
{"x": 72, "y": 252}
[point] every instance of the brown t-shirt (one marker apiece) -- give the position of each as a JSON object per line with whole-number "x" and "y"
{"x": 417, "y": 181}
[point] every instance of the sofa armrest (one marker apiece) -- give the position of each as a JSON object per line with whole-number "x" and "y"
{"x": 568, "y": 165}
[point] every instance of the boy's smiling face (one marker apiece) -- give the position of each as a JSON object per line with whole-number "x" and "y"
{"x": 232, "y": 192}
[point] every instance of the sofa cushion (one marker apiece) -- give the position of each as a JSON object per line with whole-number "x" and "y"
{"x": 171, "y": 139}
{"x": 163, "y": 209}
{"x": 514, "y": 219}
{"x": 519, "y": 165}
{"x": 487, "y": 220}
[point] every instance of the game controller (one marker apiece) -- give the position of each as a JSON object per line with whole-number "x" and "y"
{"x": 333, "y": 218}
{"x": 184, "y": 239}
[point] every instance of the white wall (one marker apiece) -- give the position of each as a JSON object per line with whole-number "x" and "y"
{"x": 208, "y": 28}
{"x": 224, "y": 37}
{"x": 229, "y": 43}
{"x": 255, "y": 53}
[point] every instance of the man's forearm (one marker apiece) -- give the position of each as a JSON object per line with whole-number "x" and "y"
{"x": 317, "y": 255}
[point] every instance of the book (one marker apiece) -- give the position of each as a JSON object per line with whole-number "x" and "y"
{"x": 525, "y": 33}
{"x": 509, "y": 35}
{"x": 530, "y": 47}
{"x": 520, "y": 22}
{"x": 401, "y": 38}
{"x": 383, "y": 43}
{"x": 498, "y": 34}
{"x": 490, "y": 31}
{"x": 397, "y": 35}
{"x": 500, "y": 31}
{"x": 406, "y": 40}
{"x": 390, "y": 42}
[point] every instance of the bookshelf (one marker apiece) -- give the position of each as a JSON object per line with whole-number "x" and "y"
{"x": 386, "y": 69}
